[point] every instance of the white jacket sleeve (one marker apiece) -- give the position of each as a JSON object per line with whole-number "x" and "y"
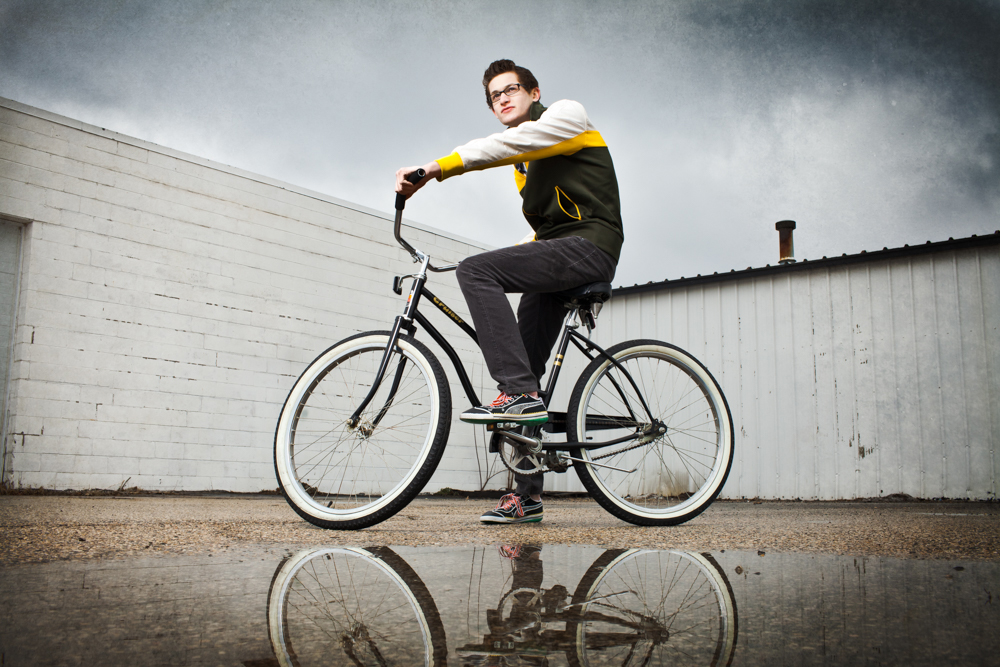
{"x": 563, "y": 129}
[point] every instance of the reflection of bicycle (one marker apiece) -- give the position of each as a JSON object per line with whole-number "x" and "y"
{"x": 668, "y": 608}
{"x": 631, "y": 607}
{"x": 366, "y": 606}
{"x": 363, "y": 429}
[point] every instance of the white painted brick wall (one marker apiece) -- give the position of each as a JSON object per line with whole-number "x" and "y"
{"x": 168, "y": 303}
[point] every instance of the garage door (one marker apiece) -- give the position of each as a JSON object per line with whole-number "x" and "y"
{"x": 10, "y": 256}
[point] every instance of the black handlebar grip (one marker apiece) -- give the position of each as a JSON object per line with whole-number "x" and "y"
{"x": 413, "y": 177}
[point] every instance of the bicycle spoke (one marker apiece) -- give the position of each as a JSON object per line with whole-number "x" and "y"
{"x": 675, "y": 474}
{"x": 675, "y": 598}
{"x": 339, "y": 471}
{"x": 341, "y": 606}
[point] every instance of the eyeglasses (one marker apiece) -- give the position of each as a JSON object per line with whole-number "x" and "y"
{"x": 508, "y": 91}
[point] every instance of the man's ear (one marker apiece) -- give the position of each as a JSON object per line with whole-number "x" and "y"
{"x": 536, "y": 94}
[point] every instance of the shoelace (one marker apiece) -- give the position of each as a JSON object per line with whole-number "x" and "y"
{"x": 511, "y": 500}
{"x": 509, "y": 551}
{"x": 502, "y": 399}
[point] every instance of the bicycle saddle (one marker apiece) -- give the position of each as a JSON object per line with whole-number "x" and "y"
{"x": 584, "y": 295}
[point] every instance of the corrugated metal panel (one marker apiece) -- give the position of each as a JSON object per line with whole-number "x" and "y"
{"x": 846, "y": 381}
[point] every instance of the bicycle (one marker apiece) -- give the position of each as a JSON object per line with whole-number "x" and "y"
{"x": 648, "y": 429}
{"x": 368, "y": 606}
{"x": 631, "y": 607}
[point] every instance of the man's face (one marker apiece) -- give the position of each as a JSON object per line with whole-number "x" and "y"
{"x": 514, "y": 109}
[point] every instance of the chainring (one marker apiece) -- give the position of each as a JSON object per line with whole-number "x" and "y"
{"x": 513, "y": 453}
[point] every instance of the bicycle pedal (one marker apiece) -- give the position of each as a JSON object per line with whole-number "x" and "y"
{"x": 503, "y": 426}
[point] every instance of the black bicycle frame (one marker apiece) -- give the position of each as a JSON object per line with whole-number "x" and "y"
{"x": 411, "y": 317}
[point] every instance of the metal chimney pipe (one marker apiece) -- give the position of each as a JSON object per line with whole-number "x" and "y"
{"x": 786, "y": 248}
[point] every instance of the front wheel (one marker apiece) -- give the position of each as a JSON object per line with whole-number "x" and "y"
{"x": 346, "y": 605}
{"x": 336, "y": 475}
{"x": 665, "y": 476}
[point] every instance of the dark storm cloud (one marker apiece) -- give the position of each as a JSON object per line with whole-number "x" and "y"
{"x": 724, "y": 116}
{"x": 947, "y": 49}
{"x": 86, "y": 48}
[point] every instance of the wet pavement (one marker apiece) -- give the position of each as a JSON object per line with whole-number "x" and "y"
{"x": 37, "y": 529}
{"x": 148, "y": 581}
{"x": 501, "y": 605}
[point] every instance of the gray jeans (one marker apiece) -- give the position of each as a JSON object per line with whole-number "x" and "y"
{"x": 516, "y": 349}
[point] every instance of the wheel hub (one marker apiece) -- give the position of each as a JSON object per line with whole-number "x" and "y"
{"x": 651, "y": 432}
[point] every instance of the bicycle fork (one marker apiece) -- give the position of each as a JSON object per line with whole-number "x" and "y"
{"x": 402, "y": 321}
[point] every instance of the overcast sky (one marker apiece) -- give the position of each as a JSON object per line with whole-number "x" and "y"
{"x": 869, "y": 123}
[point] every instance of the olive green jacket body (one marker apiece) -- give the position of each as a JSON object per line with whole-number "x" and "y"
{"x": 563, "y": 170}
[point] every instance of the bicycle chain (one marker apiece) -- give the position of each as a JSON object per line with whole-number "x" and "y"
{"x": 545, "y": 468}
{"x": 622, "y": 450}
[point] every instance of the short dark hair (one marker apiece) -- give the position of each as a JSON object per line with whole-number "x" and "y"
{"x": 498, "y": 67}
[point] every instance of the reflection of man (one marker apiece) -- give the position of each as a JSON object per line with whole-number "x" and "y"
{"x": 527, "y": 562}
{"x": 517, "y": 634}
{"x": 567, "y": 181}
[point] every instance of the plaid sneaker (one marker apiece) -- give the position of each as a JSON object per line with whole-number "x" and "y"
{"x": 516, "y": 551}
{"x": 509, "y": 551}
{"x": 522, "y": 409}
{"x": 513, "y": 508}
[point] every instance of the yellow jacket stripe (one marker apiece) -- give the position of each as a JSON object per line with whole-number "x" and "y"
{"x": 564, "y": 129}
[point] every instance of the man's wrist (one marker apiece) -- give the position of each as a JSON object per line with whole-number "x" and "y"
{"x": 433, "y": 170}
{"x": 450, "y": 165}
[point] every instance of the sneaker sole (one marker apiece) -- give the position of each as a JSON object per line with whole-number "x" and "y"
{"x": 533, "y": 418}
{"x": 530, "y": 519}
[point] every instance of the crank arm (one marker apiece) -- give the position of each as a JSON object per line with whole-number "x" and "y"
{"x": 534, "y": 444}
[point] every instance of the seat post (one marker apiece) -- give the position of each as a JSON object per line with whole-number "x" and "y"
{"x": 561, "y": 348}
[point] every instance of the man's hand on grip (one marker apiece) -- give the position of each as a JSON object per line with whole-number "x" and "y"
{"x": 406, "y": 188}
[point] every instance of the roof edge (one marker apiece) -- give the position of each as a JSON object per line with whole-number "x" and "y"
{"x": 81, "y": 126}
{"x": 974, "y": 241}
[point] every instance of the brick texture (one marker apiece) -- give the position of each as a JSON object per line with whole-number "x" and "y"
{"x": 167, "y": 304}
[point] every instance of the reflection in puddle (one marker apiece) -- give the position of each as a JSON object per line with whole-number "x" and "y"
{"x": 500, "y": 605}
{"x": 368, "y": 605}
{"x": 630, "y": 607}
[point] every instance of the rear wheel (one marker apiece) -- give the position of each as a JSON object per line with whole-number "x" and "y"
{"x": 678, "y": 606}
{"x": 338, "y": 476}
{"x": 676, "y": 468}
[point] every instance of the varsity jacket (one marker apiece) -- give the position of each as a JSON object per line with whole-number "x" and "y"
{"x": 563, "y": 170}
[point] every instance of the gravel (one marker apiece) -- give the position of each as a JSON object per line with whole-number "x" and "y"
{"x": 36, "y": 529}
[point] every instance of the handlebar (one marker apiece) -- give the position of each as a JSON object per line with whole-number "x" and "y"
{"x": 414, "y": 177}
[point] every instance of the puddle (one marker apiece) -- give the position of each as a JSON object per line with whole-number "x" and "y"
{"x": 500, "y": 605}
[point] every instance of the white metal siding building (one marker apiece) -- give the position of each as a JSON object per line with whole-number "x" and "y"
{"x": 851, "y": 377}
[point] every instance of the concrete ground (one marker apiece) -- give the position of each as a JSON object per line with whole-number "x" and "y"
{"x": 46, "y": 528}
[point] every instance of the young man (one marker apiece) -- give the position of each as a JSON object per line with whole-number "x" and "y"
{"x": 565, "y": 175}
